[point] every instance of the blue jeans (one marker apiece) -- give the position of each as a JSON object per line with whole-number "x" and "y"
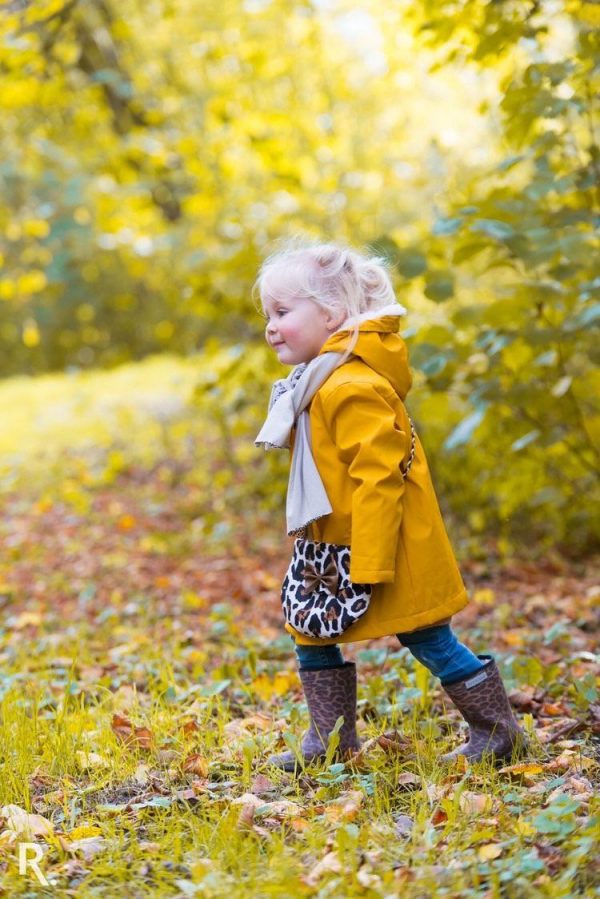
{"x": 435, "y": 647}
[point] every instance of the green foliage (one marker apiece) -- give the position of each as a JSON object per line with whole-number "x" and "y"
{"x": 521, "y": 240}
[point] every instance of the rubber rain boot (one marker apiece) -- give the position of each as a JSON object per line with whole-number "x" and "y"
{"x": 493, "y": 729}
{"x": 330, "y": 693}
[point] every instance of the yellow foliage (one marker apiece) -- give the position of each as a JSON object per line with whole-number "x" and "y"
{"x": 267, "y": 687}
{"x": 31, "y": 333}
{"x": 484, "y": 597}
{"x": 32, "y": 282}
{"x": 36, "y": 227}
{"x": 83, "y": 831}
{"x": 489, "y": 851}
{"x": 7, "y": 289}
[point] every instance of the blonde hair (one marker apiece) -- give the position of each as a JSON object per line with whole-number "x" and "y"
{"x": 333, "y": 275}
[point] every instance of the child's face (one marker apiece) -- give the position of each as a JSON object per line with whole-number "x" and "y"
{"x": 297, "y": 328}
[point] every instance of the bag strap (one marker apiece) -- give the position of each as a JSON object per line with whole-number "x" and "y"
{"x": 413, "y": 443}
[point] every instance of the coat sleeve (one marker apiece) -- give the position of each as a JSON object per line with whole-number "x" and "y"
{"x": 363, "y": 426}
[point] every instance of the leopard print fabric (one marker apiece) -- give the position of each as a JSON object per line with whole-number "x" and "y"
{"x": 317, "y": 595}
{"x": 493, "y": 729}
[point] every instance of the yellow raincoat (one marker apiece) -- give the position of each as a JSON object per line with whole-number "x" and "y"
{"x": 359, "y": 435}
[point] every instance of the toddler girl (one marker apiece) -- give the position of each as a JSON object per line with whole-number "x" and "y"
{"x": 332, "y": 314}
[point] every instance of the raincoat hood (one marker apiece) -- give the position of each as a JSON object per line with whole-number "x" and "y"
{"x": 380, "y": 346}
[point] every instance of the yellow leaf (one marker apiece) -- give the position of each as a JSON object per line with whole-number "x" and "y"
{"x": 192, "y": 600}
{"x": 267, "y": 687}
{"x": 524, "y": 770}
{"x": 524, "y": 828}
{"x": 484, "y": 597}
{"x": 513, "y": 638}
{"x": 346, "y": 806}
{"x": 489, "y": 851}
{"x": 27, "y": 618}
{"x": 84, "y": 831}
{"x": 126, "y": 522}
{"x": 86, "y": 760}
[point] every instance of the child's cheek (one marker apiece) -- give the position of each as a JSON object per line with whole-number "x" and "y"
{"x": 289, "y": 331}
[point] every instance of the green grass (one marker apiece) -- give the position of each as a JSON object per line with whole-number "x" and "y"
{"x": 167, "y": 832}
{"x": 120, "y": 596}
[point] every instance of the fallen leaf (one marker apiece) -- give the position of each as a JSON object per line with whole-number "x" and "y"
{"x": 88, "y": 846}
{"x": 261, "y": 722}
{"x": 439, "y": 816}
{"x": 489, "y": 851}
{"x": 475, "y": 803}
{"x": 84, "y": 831}
{"x": 526, "y": 771}
{"x": 126, "y": 522}
{"x": 90, "y": 760}
{"x": 394, "y": 742}
{"x": 513, "y": 638}
{"x": 249, "y": 803}
{"x": 569, "y": 759}
{"x": 484, "y": 596}
{"x": 407, "y": 780}
{"x": 524, "y": 828}
{"x": 345, "y": 807}
{"x": 196, "y": 764}
{"x": 556, "y": 730}
{"x": 283, "y": 808}
{"x": 190, "y": 727}
{"x": 26, "y": 619}
{"x": 187, "y": 795}
{"x": 131, "y": 735}
{"x": 329, "y": 863}
{"x": 403, "y": 825}
{"x": 367, "y": 878}
{"x": 262, "y": 784}
{"x": 552, "y": 708}
{"x": 141, "y": 774}
{"x": 267, "y": 687}
{"x": 24, "y": 824}
{"x": 523, "y": 700}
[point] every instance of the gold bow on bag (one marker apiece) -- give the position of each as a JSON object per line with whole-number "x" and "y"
{"x": 314, "y": 579}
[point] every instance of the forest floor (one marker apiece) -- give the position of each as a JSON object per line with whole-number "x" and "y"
{"x": 143, "y": 688}
{"x": 145, "y": 678}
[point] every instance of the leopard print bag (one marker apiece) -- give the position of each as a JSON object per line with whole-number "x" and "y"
{"x": 317, "y": 596}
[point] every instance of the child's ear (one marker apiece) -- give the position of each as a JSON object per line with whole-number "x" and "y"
{"x": 335, "y": 318}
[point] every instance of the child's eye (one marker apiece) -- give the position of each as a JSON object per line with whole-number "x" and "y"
{"x": 281, "y": 310}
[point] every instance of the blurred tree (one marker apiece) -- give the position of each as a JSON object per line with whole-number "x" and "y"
{"x": 517, "y": 243}
{"x": 150, "y": 152}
